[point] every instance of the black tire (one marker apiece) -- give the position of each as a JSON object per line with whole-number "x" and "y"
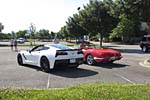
{"x": 144, "y": 49}
{"x": 45, "y": 64}
{"x": 19, "y": 59}
{"x": 90, "y": 59}
{"x": 110, "y": 62}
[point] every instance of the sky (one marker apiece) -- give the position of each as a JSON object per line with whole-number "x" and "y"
{"x": 17, "y": 15}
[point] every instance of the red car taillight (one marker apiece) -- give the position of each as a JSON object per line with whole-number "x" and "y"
{"x": 60, "y": 53}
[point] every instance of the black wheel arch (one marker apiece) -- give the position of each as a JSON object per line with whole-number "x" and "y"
{"x": 44, "y": 57}
{"x": 88, "y": 54}
{"x": 46, "y": 70}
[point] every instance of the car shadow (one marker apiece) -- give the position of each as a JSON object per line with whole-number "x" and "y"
{"x": 66, "y": 72}
{"x": 111, "y": 65}
{"x": 122, "y": 50}
{"x": 73, "y": 72}
{"x": 133, "y": 51}
{"x": 136, "y": 51}
{"x": 33, "y": 67}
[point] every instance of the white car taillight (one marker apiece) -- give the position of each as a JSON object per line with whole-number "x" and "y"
{"x": 59, "y": 52}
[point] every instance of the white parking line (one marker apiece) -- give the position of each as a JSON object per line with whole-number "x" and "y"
{"x": 48, "y": 81}
{"x": 125, "y": 78}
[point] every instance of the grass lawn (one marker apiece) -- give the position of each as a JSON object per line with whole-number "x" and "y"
{"x": 3, "y": 45}
{"x": 27, "y": 44}
{"x": 81, "y": 92}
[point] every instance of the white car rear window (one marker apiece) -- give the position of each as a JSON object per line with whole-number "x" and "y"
{"x": 60, "y": 46}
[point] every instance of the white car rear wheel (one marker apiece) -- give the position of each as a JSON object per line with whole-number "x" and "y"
{"x": 45, "y": 64}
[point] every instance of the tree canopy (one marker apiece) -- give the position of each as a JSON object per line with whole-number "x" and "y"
{"x": 109, "y": 18}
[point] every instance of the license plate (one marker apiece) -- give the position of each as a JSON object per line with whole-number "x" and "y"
{"x": 72, "y": 60}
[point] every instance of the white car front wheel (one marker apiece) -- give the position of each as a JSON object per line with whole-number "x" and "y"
{"x": 19, "y": 59}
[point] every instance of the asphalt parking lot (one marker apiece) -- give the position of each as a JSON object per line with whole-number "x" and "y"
{"x": 127, "y": 70}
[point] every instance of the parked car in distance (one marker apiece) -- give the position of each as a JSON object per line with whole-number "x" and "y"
{"x": 21, "y": 40}
{"x": 145, "y": 43}
{"x": 50, "y": 56}
{"x": 93, "y": 55}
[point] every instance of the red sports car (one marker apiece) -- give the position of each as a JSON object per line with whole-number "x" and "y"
{"x": 94, "y": 55}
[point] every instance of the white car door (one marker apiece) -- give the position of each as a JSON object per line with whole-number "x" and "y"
{"x": 35, "y": 57}
{"x": 32, "y": 56}
{"x": 28, "y": 57}
{"x": 37, "y": 53}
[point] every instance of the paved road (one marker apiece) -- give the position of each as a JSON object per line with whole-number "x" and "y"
{"x": 126, "y": 70}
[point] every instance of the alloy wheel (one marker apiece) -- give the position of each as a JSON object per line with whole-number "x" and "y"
{"x": 90, "y": 60}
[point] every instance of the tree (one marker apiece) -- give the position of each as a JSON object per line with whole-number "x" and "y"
{"x": 98, "y": 19}
{"x": 21, "y": 34}
{"x": 64, "y": 33}
{"x": 32, "y": 31}
{"x": 101, "y": 17}
{"x": 1, "y": 27}
{"x": 43, "y": 34}
{"x": 145, "y": 11}
{"x": 140, "y": 8}
{"x": 94, "y": 19}
{"x": 13, "y": 34}
{"x": 129, "y": 19}
{"x": 52, "y": 35}
{"x": 124, "y": 29}
{"x": 74, "y": 27}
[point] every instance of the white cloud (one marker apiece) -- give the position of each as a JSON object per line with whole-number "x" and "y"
{"x": 48, "y": 14}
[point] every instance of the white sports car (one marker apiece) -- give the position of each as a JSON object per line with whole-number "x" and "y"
{"x": 50, "y": 56}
